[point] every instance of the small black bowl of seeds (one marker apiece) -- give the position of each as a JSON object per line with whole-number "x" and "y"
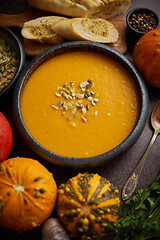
{"x": 140, "y": 21}
{"x": 12, "y": 59}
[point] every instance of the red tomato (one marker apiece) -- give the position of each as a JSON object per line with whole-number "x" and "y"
{"x": 6, "y": 138}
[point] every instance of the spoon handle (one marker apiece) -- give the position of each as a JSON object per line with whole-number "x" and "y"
{"x": 132, "y": 181}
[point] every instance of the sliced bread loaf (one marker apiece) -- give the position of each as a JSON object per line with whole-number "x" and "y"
{"x": 96, "y": 30}
{"x": 41, "y": 30}
{"x": 83, "y": 8}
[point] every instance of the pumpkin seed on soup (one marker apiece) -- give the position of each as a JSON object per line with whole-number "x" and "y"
{"x": 70, "y": 95}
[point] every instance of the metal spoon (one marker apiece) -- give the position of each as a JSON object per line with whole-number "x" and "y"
{"x": 132, "y": 181}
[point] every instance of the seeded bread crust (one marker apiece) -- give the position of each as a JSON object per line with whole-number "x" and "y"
{"x": 83, "y": 8}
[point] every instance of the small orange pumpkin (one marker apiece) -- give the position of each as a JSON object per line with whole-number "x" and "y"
{"x": 146, "y": 56}
{"x": 27, "y": 193}
{"x": 88, "y": 206}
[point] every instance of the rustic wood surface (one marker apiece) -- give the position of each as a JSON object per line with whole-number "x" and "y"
{"x": 119, "y": 170}
{"x": 33, "y": 48}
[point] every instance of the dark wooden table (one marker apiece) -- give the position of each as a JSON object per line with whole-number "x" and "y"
{"x": 118, "y": 171}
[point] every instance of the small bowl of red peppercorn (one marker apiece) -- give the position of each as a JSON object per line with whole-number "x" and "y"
{"x": 140, "y": 21}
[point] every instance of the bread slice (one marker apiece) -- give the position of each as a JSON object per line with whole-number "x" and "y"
{"x": 83, "y": 8}
{"x": 96, "y": 30}
{"x": 41, "y": 30}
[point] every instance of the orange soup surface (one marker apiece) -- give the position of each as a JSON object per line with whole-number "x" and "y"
{"x": 80, "y": 104}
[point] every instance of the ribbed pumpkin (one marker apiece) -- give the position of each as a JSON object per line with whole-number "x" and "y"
{"x": 146, "y": 56}
{"x": 27, "y": 193}
{"x": 88, "y": 206}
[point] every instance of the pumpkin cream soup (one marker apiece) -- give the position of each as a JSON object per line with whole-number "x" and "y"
{"x": 80, "y": 104}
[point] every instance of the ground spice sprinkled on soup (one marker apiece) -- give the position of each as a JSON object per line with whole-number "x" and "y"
{"x": 80, "y": 104}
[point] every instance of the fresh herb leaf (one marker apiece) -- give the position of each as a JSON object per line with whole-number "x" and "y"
{"x": 141, "y": 215}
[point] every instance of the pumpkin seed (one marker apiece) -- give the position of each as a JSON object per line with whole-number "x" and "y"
{"x": 83, "y": 89}
{"x": 55, "y": 107}
{"x": 8, "y": 64}
{"x": 83, "y": 84}
{"x": 88, "y": 92}
{"x": 72, "y": 83}
{"x": 73, "y": 124}
{"x": 96, "y": 113}
{"x": 90, "y": 98}
{"x": 93, "y": 103}
{"x": 59, "y": 104}
{"x": 61, "y": 88}
{"x": 73, "y": 94}
{"x": 69, "y": 97}
{"x": 78, "y": 107}
{"x": 84, "y": 110}
{"x": 79, "y": 102}
{"x": 80, "y": 95}
{"x": 73, "y": 111}
{"x": 69, "y": 106}
{"x": 68, "y": 93}
{"x": 58, "y": 95}
{"x": 65, "y": 84}
{"x": 87, "y": 107}
{"x": 65, "y": 107}
{"x": 92, "y": 93}
{"x": 82, "y": 106}
{"x": 96, "y": 100}
{"x": 89, "y": 83}
{"x": 84, "y": 119}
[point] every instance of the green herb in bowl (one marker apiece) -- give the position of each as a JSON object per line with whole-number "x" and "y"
{"x": 141, "y": 216}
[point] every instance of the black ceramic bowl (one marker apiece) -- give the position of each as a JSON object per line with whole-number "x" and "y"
{"x": 15, "y": 44}
{"x": 137, "y": 29}
{"x": 80, "y": 162}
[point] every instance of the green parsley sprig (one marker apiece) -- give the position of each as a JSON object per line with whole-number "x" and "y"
{"x": 141, "y": 215}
